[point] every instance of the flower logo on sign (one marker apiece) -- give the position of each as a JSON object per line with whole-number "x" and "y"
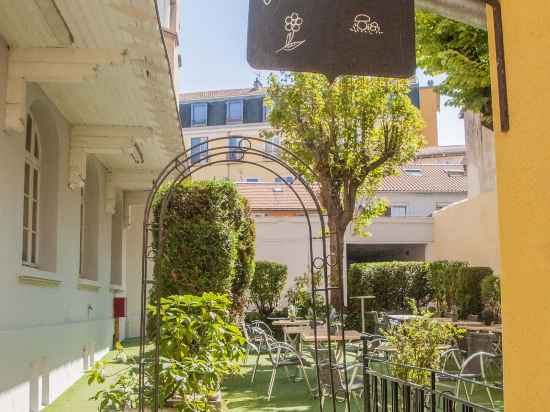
{"x": 292, "y": 24}
{"x": 363, "y": 23}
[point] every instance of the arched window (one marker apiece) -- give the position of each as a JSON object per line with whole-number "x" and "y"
{"x": 31, "y": 196}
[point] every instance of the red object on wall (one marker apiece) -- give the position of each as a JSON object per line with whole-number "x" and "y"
{"x": 119, "y": 307}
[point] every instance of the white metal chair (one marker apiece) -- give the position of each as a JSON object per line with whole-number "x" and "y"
{"x": 477, "y": 368}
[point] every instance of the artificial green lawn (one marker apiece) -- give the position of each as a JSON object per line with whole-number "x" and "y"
{"x": 238, "y": 394}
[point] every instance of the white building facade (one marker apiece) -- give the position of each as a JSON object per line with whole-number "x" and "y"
{"x": 87, "y": 113}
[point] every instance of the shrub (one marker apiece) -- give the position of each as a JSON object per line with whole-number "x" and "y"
{"x": 300, "y": 296}
{"x": 267, "y": 285}
{"x": 443, "y": 281}
{"x": 209, "y": 240}
{"x": 198, "y": 347}
{"x": 468, "y": 292}
{"x": 490, "y": 296}
{"x": 418, "y": 344}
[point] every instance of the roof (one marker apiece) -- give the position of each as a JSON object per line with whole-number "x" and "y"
{"x": 275, "y": 196}
{"x": 222, "y": 94}
{"x": 431, "y": 179}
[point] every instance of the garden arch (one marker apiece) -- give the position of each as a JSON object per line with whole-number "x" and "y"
{"x": 182, "y": 168}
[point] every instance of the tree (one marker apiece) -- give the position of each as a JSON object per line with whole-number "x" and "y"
{"x": 350, "y": 134}
{"x": 461, "y": 52}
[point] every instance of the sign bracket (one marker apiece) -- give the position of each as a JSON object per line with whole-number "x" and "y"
{"x": 501, "y": 64}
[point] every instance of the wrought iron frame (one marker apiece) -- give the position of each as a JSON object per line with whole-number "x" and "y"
{"x": 182, "y": 168}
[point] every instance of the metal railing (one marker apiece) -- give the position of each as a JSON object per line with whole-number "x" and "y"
{"x": 384, "y": 392}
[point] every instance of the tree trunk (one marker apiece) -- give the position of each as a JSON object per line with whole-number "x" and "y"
{"x": 337, "y": 263}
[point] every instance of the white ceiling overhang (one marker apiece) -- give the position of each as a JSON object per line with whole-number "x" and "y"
{"x": 104, "y": 66}
{"x": 467, "y": 11}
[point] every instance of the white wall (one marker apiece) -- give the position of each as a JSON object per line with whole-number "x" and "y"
{"x": 46, "y": 328}
{"x": 421, "y": 204}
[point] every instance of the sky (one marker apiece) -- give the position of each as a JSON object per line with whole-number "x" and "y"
{"x": 213, "y": 50}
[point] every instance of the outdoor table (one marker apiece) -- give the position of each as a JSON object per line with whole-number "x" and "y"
{"x": 293, "y": 335}
{"x": 478, "y": 327}
{"x": 322, "y": 337}
{"x": 363, "y": 298}
{"x": 288, "y": 322}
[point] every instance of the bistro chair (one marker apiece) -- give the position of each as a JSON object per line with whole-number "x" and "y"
{"x": 479, "y": 367}
{"x": 253, "y": 341}
{"x": 355, "y": 380}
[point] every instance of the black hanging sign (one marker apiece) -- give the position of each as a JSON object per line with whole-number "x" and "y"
{"x": 334, "y": 37}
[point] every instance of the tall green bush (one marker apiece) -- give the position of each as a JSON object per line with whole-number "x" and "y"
{"x": 209, "y": 242}
{"x": 443, "y": 280}
{"x": 267, "y": 285}
{"x": 392, "y": 284}
{"x": 468, "y": 296}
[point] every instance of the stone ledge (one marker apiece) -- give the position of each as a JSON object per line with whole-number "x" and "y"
{"x": 37, "y": 277}
{"x": 89, "y": 284}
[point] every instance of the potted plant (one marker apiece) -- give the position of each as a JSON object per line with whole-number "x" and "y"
{"x": 198, "y": 347}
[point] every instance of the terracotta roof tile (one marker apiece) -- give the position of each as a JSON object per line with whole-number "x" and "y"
{"x": 421, "y": 178}
{"x": 425, "y": 178}
{"x": 275, "y": 196}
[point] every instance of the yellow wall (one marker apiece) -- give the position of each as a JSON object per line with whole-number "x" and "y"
{"x": 429, "y": 106}
{"x": 523, "y": 170}
{"x": 475, "y": 240}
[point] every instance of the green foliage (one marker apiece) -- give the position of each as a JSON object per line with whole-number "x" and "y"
{"x": 392, "y": 283}
{"x": 461, "y": 52}
{"x": 443, "y": 281}
{"x": 198, "y": 348}
{"x": 209, "y": 241}
{"x": 419, "y": 343}
{"x": 300, "y": 296}
{"x": 267, "y": 285}
{"x": 347, "y": 136}
{"x": 490, "y": 295}
{"x": 468, "y": 294}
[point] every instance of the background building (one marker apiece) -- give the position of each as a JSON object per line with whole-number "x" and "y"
{"x": 87, "y": 112}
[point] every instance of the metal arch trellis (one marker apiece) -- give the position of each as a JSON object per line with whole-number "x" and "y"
{"x": 181, "y": 168}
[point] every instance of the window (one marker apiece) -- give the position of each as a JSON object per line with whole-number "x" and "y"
{"x": 199, "y": 149}
{"x": 413, "y": 172}
{"x": 441, "y": 205}
{"x": 396, "y": 211}
{"x": 252, "y": 180}
{"x": 456, "y": 173}
{"x": 199, "y": 114}
{"x": 234, "y": 146}
{"x": 164, "y": 13}
{"x": 270, "y": 148}
{"x": 288, "y": 179}
{"x": 31, "y": 194}
{"x": 235, "y": 111}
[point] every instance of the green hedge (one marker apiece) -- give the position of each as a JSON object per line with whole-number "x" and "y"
{"x": 209, "y": 242}
{"x": 390, "y": 282}
{"x": 267, "y": 285}
{"x": 451, "y": 285}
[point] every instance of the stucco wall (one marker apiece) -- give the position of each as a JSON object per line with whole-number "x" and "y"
{"x": 421, "y": 204}
{"x": 468, "y": 231}
{"x": 46, "y": 331}
{"x": 523, "y": 166}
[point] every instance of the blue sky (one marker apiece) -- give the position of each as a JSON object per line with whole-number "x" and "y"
{"x": 213, "y": 49}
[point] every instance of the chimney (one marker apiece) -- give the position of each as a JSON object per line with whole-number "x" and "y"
{"x": 257, "y": 84}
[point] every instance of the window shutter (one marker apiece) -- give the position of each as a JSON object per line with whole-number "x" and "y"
{"x": 216, "y": 113}
{"x": 185, "y": 114}
{"x": 253, "y": 110}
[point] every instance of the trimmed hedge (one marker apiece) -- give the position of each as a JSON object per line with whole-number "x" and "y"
{"x": 267, "y": 285}
{"x": 209, "y": 242}
{"x": 392, "y": 283}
